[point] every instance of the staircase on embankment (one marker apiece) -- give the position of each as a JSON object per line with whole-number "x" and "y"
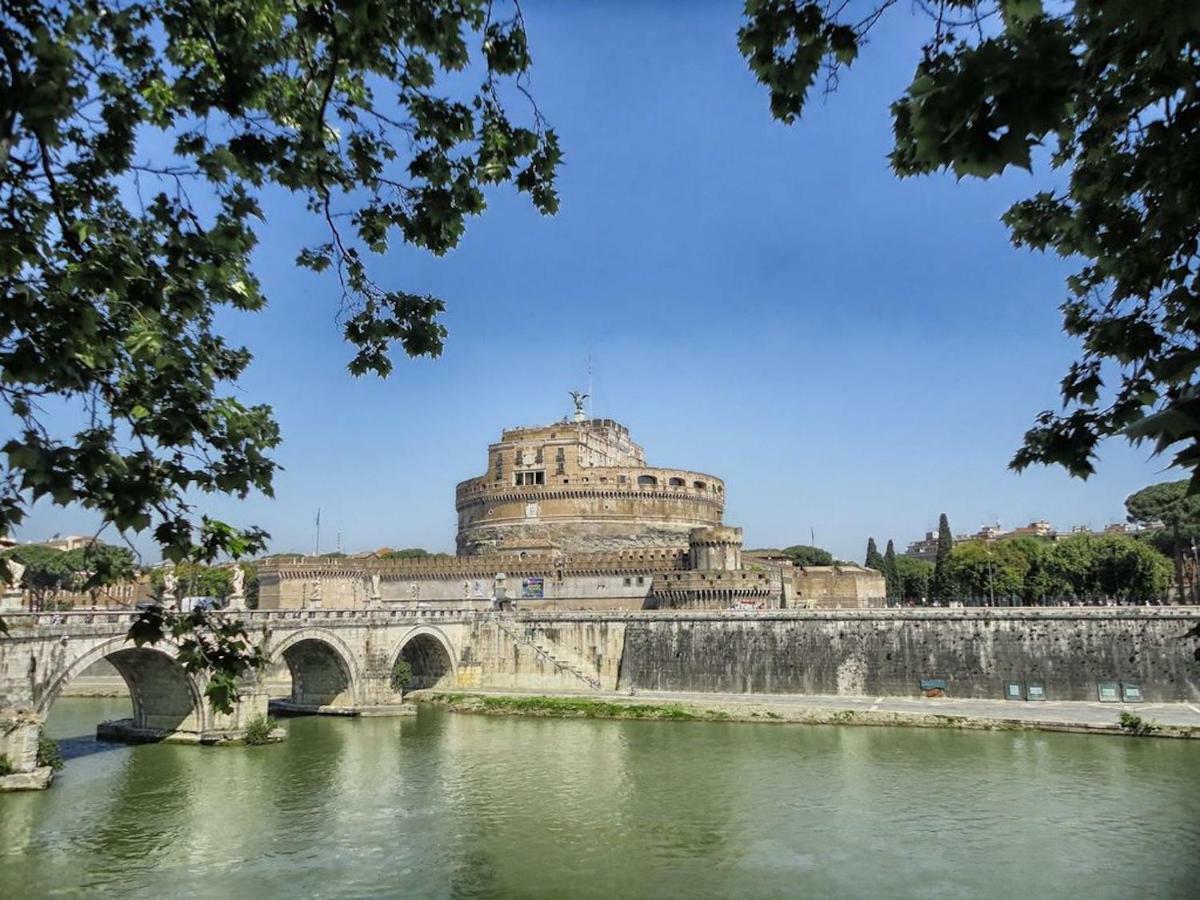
{"x": 560, "y": 658}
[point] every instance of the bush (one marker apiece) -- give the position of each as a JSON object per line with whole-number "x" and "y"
{"x": 402, "y": 676}
{"x": 1137, "y": 725}
{"x": 6, "y": 767}
{"x": 48, "y": 753}
{"x": 258, "y": 730}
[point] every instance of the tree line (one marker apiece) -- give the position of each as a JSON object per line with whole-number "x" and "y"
{"x": 54, "y": 578}
{"x": 49, "y": 573}
{"x": 1080, "y": 568}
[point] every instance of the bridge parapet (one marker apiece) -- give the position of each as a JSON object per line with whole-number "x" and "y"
{"x": 20, "y": 623}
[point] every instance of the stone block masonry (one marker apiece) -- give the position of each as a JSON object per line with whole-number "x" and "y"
{"x": 888, "y": 652}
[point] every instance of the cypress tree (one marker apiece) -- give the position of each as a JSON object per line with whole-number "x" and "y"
{"x": 941, "y": 590}
{"x": 890, "y": 574}
{"x": 873, "y": 560}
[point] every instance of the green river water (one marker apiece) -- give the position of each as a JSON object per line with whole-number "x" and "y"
{"x": 448, "y": 805}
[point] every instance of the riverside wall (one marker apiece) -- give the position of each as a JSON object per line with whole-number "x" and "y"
{"x": 889, "y": 652}
{"x": 866, "y": 652}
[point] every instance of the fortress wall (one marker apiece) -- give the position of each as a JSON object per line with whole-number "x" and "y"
{"x": 598, "y": 591}
{"x": 839, "y": 586}
{"x": 602, "y": 591}
{"x": 888, "y": 652}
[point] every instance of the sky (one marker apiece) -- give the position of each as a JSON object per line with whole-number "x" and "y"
{"x": 854, "y": 354}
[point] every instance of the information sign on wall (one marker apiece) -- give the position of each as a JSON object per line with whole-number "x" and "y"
{"x": 1012, "y": 691}
{"x": 1035, "y": 690}
{"x": 1108, "y": 691}
{"x": 1131, "y": 692}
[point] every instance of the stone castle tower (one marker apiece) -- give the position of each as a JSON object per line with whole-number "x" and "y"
{"x": 580, "y": 486}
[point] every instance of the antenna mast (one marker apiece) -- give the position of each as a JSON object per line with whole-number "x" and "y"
{"x": 590, "y": 390}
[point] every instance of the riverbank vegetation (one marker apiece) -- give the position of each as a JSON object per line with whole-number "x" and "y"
{"x": 261, "y": 730}
{"x": 48, "y": 753}
{"x": 575, "y": 707}
{"x": 699, "y": 710}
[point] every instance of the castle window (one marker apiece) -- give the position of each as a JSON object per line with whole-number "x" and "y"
{"x": 641, "y": 579}
{"x": 621, "y": 479}
{"x": 647, "y": 480}
{"x": 676, "y": 482}
{"x": 700, "y": 485}
{"x": 628, "y": 582}
{"x": 529, "y": 478}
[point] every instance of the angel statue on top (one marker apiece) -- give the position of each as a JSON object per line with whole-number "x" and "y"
{"x": 578, "y": 397}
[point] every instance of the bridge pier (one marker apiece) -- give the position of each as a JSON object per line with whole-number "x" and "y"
{"x": 20, "y": 731}
{"x": 168, "y": 704}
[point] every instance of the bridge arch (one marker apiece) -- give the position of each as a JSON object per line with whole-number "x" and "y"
{"x": 322, "y": 667}
{"x": 164, "y": 696}
{"x": 430, "y": 654}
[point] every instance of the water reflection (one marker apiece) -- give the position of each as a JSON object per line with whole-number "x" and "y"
{"x": 467, "y": 806}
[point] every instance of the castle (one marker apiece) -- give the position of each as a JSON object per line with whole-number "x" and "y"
{"x": 570, "y": 516}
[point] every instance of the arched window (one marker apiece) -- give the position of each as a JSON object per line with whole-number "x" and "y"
{"x": 647, "y": 479}
{"x": 700, "y": 485}
{"x": 676, "y": 482}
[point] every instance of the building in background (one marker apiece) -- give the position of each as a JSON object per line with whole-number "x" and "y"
{"x": 926, "y": 548}
{"x": 570, "y": 516}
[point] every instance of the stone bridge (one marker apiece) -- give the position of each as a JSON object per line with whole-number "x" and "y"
{"x": 340, "y": 661}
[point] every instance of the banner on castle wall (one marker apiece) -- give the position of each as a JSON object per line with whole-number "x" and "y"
{"x": 533, "y": 588}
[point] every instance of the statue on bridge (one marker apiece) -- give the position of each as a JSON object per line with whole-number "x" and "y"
{"x": 170, "y": 584}
{"x": 237, "y": 596}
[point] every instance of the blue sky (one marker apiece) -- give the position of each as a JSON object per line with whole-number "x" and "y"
{"x": 852, "y": 353}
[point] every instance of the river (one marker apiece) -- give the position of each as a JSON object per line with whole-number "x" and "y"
{"x": 448, "y": 805}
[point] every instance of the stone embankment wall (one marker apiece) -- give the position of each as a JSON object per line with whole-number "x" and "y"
{"x": 542, "y": 653}
{"x": 840, "y": 652}
{"x": 888, "y": 652}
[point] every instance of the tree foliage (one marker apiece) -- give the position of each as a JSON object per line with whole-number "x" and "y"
{"x": 402, "y": 675}
{"x": 891, "y": 574}
{"x": 87, "y": 569}
{"x": 941, "y": 584}
{"x": 873, "y": 558}
{"x": 1107, "y": 88}
{"x": 47, "y": 572}
{"x": 807, "y": 555}
{"x": 914, "y": 576}
{"x": 409, "y": 553}
{"x": 1082, "y": 568}
{"x": 138, "y": 141}
{"x": 195, "y": 580}
{"x": 1170, "y": 505}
